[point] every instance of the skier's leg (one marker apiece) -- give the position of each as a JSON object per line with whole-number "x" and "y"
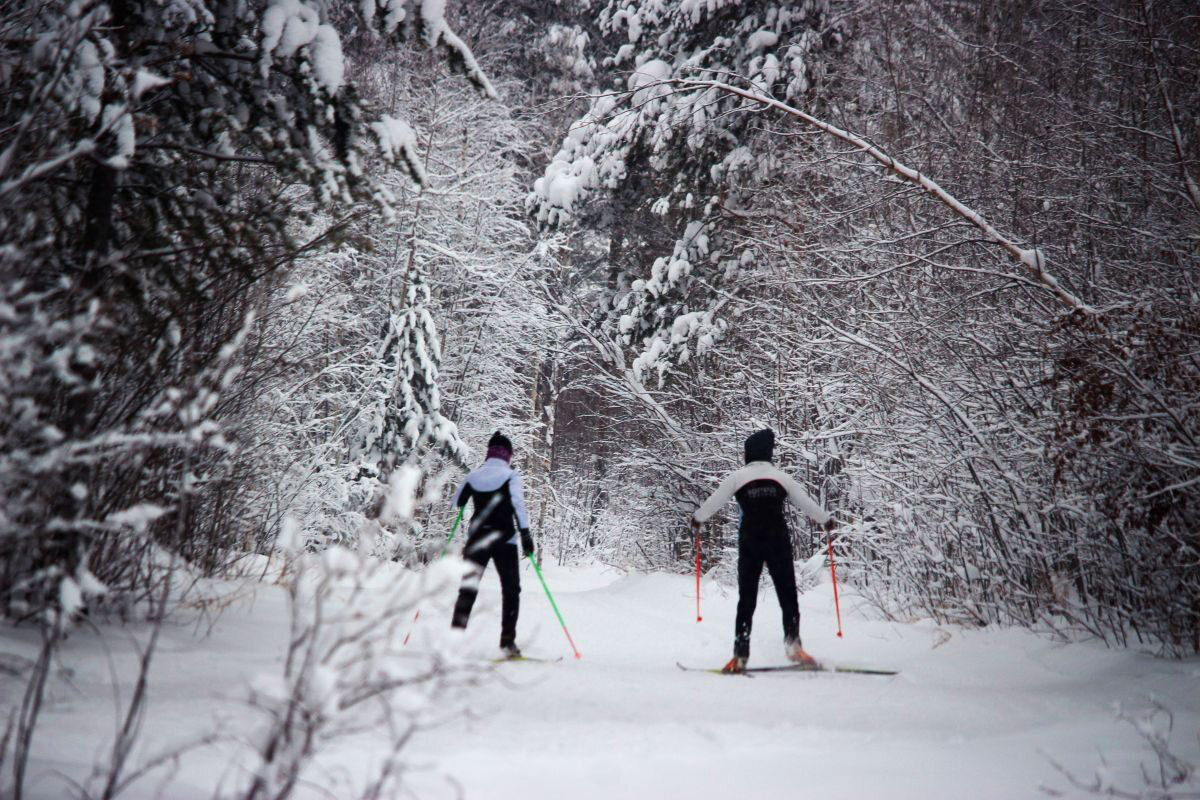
{"x": 507, "y": 563}
{"x": 783, "y": 574}
{"x": 476, "y": 557}
{"x": 750, "y": 564}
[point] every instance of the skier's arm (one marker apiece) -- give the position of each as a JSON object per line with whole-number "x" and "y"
{"x": 518, "y": 501}
{"x": 462, "y": 495}
{"x": 517, "y": 495}
{"x": 717, "y": 499}
{"x": 802, "y": 500}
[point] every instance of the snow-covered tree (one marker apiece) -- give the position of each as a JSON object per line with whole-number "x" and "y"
{"x": 1002, "y": 460}
{"x": 414, "y": 339}
{"x": 156, "y": 159}
{"x": 661, "y": 167}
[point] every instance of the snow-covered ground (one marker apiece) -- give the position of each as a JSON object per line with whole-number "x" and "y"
{"x": 973, "y": 713}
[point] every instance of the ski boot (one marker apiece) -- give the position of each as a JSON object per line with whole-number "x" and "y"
{"x": 511, "y": 652}
{"x": 736, "y": 666}
{"x": 795, "y": 653}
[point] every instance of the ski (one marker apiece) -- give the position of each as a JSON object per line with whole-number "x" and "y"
{"x": 793, "y": 668}
{"x": 823, "y": 668}
{"x": 534, "y": 659}
{"x": 744, "y": 673}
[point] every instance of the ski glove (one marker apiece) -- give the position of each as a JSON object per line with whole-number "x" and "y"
{"x": 829, "y": 524}
{"x": 526, "y": 541}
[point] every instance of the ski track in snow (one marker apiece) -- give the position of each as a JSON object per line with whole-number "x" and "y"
{"x": 969, "y": 717}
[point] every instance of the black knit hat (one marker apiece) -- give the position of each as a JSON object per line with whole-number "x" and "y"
{"x": 499, "y": 446}
{"x": 760, "y": 446}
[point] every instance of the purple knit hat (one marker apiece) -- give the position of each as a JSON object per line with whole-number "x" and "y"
{"x": 499, "y": 447}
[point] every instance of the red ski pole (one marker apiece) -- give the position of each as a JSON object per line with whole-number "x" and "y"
{"x": 696, "y": 530}
{"x": 833, "y": 571}
{"x": 453, "y": 528}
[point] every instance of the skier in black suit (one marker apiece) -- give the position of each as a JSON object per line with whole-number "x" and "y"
{"x": 763, "y": 538}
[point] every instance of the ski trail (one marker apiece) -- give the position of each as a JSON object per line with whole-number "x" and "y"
{"x": 966, "y": 717}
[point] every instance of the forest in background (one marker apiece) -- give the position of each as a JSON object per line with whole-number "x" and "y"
{"x": 266, "y": 265}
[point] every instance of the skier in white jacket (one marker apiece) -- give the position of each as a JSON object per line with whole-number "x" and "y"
{"x": 495, "y": 487}
{"x": 763, "y": 538}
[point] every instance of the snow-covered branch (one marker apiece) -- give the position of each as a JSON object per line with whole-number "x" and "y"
{"x": 1031, "y": 259}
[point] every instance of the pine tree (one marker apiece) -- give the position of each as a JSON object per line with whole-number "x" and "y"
{"x": 405, "y": 416}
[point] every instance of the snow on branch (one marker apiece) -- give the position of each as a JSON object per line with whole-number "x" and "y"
{"x": 437, "y": 32}
{"x": 397, "y": 140}
{"x": 288, "y": 26}
{"x": 430, "y": 20}
{"x": 1031, "y": 259}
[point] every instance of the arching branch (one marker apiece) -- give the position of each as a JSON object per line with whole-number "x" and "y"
{"x": 1031, "y": 260}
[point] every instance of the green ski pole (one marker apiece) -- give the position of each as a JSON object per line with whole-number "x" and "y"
{"x": 449, "y": 539}
{"x": 554, "y": 605}
{"x": 453, "y": 528}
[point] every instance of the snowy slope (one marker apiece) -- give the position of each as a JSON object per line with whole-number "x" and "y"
{"x": 969, "y": 716}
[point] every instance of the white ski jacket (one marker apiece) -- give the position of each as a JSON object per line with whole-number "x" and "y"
{"x": 485, "y": 481}
{"x": 757, "y": 484}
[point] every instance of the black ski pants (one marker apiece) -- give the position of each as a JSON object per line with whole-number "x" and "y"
{"x": 774, "y": 549}
{"x": 482, "y": 548}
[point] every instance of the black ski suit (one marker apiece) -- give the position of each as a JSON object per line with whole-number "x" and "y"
{"x": 763, "y": 536}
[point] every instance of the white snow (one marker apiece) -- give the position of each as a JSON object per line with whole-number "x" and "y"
{"x": 289, "y": 540}
{"x": 297, "y": 291}
{"x": 116, "y": 118}
{"x": 761, "y": 40}
{"x": 70, "y": 597}
{"x": 646, "y": 81}
{"x": 401, "y": 496}
{"x": 397, "y": 139}
{"x": 137, "y": 517}
{"x": 433, "y": 15}
{"x": 970, "y": 715}
{"x": 92, "y": 79}
{"x": 147, "y": 81}
{"x": 89, "y": 583}
{"x": 1033, "y": 258}
{"x": 328, "y": 64}
{"x": 287, "y": 26}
